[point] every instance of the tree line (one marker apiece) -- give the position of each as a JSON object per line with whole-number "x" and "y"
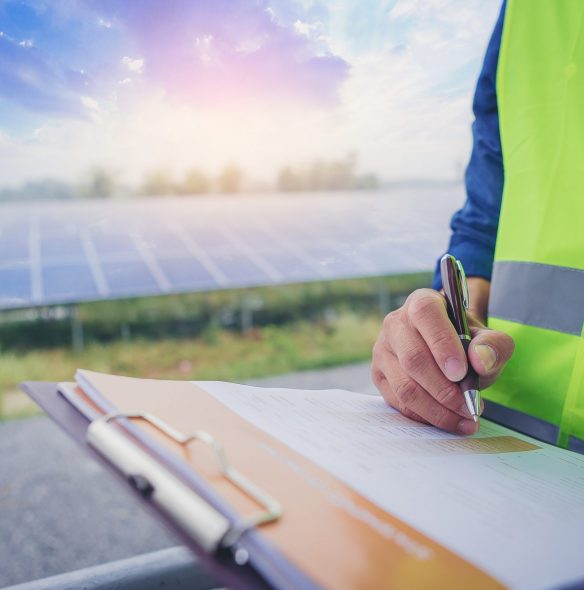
{"x": 103, "y": 183}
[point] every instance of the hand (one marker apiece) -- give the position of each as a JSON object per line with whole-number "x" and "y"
{"x": 418, "y": 358}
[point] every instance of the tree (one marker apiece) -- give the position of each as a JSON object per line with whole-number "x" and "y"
{"x": 323, "y": 175}
{"x": 195, "y": 182}
{"x": 366, "y": 182}
{"x": 289, "y": 180}
{"x": 101, "y": 185}
{"x": 230, "y": 179}
{"x": 157, "y": 183}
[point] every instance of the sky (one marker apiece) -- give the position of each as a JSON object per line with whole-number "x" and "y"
{"x": 138, "y": 85}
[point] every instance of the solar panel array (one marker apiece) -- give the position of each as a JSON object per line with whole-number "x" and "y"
{"x": 58, "y": 253}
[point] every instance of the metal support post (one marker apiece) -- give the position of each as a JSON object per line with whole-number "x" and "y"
{"x": 77, "y": 336}
{"x": 384, "y": 298}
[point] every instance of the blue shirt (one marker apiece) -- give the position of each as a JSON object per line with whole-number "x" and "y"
{"x": 474, "y": 227}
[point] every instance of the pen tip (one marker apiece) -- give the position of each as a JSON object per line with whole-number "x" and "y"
{"x": 475, "y": 418}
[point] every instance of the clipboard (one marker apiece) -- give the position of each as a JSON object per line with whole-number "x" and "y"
{"x": 269, "y": 570}
{"x": 325, "y": 535}
{"x": 294, "y": 524}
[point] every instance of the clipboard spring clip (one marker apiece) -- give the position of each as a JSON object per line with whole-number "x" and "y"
{"x": 224, "y": 536}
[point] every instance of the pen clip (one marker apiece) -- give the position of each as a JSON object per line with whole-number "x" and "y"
{"x": 463, "y": 284}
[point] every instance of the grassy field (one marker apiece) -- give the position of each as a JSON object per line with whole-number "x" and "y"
{"x": 200, "y": 335}
{"x": 218, "y": 354}
{"x": 183, "y": 315}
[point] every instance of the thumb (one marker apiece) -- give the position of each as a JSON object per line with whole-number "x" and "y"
{"x": 489, "y": 351}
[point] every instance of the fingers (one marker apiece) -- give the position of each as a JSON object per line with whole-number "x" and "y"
{"x": 488, "y": 352}
{"x": 419, "y": 358}
{"x": 418, "y": 362}
{"x": 427, "y": 315}
{"x": 385, "y": 389}
{"x": 408, "y": 396}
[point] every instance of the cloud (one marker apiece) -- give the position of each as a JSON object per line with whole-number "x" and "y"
{"x": 106, "y": 24}
{"x": 6, "y": 143}
{"x": 304, "y": 28}
{"x": 209, "y": 52}
{"x": 407, "y": 104}
{"x": 204, "y": 48}
{"x": 90, "y": 103}
{"x": 135, "y": 66}
{"x": 288, "y": 92}
{"x": 28, "y": 79}
{"x": 227, "y": 51}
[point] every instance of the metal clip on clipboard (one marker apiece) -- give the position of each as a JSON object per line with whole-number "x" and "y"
{"x": 206, "y": 525}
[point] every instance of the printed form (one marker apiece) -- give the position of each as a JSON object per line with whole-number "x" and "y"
{"x": 512, "y": 506}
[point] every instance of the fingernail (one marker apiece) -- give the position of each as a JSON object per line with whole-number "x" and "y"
{"x": 467, "y": 426}
{"x": 487, "y": 354}
{"x": 454, "y": 368}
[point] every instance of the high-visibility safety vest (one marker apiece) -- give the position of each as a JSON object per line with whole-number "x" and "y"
{"x": 537, "y": 290}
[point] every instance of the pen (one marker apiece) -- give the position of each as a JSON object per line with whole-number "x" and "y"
{"x": 456, "y": 291}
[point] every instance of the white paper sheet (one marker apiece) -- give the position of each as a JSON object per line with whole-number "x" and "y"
{"x": 517, "y": 515}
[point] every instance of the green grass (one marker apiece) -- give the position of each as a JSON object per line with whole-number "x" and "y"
{"x": 216, "y": 354}
{"x": 182, "y": 316}
{"x": 298, "y": 327}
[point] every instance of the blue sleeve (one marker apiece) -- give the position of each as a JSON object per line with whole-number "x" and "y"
{"x": 474, "y": 227}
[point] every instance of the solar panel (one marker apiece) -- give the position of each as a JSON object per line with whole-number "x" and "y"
{"x": 14, "y": 250}
{"x": 15, "y": 286}
{"x": 163, "y": 243}
{"x": 59, "y": 253}
{"x": 65, "y": 282}
{"x": 238, "y": 268}
{"x": 187, "y": 274}
{"x": 107, "y": 243}
{"x": 130, "y": 278}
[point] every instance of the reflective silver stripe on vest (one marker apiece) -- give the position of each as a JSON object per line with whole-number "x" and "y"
{"x": 530, "y": 425}
{"x": 540, "y": 295}
{"x": 521, "y": 422}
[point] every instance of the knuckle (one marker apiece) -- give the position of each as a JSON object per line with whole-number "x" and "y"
{"x": 423, "y": 304}
{"x": 448, "y": 394}
{"x": 419, "y": 294}
{"x": 442, "y": 418}
{"x": 442, "y": 340}
{"x": 376, "y": 375}
{"x": 376, "y": 351}
{"x": 389, "y": 321}
{"x": 413, "y": 360}
{"x": 381, "y": 351}
{"x": 406, "y": 392}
